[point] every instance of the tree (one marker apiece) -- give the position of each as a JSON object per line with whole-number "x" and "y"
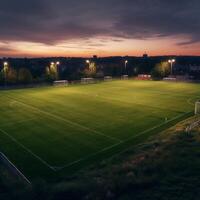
{"x": 1, "y": 77}
{"x": 51, "y": 72}
{"x": 47, "y": 74}
{"x": 161, "y": 70}
{"x": 8, "y": 75}
{"x": 11, "y": 76}
{"x": 91, "y": 70}
{"x": 24, "y": 76}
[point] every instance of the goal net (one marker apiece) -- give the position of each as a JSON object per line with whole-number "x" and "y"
{"x": 60, "y": 83}
{"x": 107, "y": 78}
{"x": 197, "y": 108}
{"x": 87, "y": 80}
{"x": 124, "y": 77}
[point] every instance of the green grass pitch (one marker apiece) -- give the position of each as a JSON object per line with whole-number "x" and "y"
{"x": 51, "y": 132}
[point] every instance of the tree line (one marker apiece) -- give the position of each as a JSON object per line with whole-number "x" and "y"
{"x": 40, "y": 70}
{"x": 11, "y": 76}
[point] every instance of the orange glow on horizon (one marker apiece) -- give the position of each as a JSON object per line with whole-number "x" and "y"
{"x": 101, "y": 47}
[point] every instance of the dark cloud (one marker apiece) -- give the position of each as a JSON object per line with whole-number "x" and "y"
{"x": 50, "y": 21}
{"x": 158, "y": 18}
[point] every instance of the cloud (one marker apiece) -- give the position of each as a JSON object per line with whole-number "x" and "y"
{"x": 158, "y": 18}
{"x": 51, "y": 22}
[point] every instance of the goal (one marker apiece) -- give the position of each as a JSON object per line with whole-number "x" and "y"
{"x": 107, "y": 78}
{"x": 87, "y": 80}
{"x": 124, "y": 77}
{"x": 197, "y": 108}
{"x": 60, "y": 83}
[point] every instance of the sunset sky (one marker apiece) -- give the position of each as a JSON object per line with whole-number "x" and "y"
{"x": 34, "y": 28}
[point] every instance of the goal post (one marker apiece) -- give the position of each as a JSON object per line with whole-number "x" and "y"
{"x": 108, "y": 78}
{"x": 124, "y": 77}
{"x": 61, "y": 83}
{"x": 197, "y": 108}
{"x": 87, "y": 80}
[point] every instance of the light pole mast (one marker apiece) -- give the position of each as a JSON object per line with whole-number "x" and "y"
{"x": 5, "y": 69}
{"x": 88, "y": 62}
{"x": 172, "y": 61}
{"x": 54, "y": 66}
{"x": 126, "y": 62}
{"x": 58, "y": 71}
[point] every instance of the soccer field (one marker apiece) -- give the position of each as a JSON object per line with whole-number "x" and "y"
{"x": 51, "y": 132}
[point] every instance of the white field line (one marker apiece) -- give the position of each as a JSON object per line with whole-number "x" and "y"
{"x": 67, "y": 121}
{"x": 110, "y": 147}
{"x": 58, "y": 168}
{"x": 16, "y": 169}
{"x": 178, "y": 116}
{"x": 28, "y": 150}
{"x": 103, "y": 98}
{"x": 106, "y": 99}
{"x": 91, "y": 155}
{"x": 18, "y": 122}
{"x": 157, "y": 126}
{"x": 190, "y": 99}
{"x": 130, "y": 103}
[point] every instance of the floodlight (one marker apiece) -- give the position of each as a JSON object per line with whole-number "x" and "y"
{"x": 5, "y": 63}
{"x": 171, "y": 62}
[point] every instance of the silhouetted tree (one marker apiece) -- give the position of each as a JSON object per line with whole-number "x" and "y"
{"x": 90, "y": 71}
{"x": 1, "y": 78}
{"x": 11, "y": 76}
{"x": 52, "y": 73}
{"x": 161, "y": 70}
{"x": 24, "y": 76}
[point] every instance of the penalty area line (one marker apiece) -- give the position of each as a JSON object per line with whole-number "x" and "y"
{"x": 57, "y": 168}
{"x": 148, "y": 130}
{"x": 157, "y": 126}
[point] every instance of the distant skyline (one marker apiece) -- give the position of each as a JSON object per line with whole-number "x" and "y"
{"x": 42, "y": 28}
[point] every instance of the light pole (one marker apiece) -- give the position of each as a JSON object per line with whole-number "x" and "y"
{"x": 172, "y": 61}
{"x": 52, "y": 64}
{"x": 5, "y": 69}
{"x": 58, "y": 71}
{"x": 55, "y": 65}
{"x": 126, "y": 62}
{"x": 87, "y": 61}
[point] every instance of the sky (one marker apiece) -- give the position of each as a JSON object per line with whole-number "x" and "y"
{"x": 35, "y": 28}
